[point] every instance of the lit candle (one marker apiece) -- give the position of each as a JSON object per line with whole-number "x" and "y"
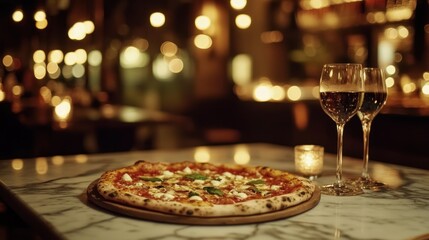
{"x": 309, "y": 160}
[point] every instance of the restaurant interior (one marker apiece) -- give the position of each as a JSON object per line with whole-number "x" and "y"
{"x": 100, "y": 76}
{"x": 80, "y": 77}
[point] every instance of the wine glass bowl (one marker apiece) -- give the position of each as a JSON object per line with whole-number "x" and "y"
{"x": 341, "y": 94}
{"x": 375, "y": 98}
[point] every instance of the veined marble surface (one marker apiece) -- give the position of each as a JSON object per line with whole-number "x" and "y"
{"x": 52, "y": 190}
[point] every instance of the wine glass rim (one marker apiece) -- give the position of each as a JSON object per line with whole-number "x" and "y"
{"x": 344, "y": 64}
{"x": 371, "y": 68}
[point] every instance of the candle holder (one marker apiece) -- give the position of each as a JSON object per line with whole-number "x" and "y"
{"x": 309, "y": 160}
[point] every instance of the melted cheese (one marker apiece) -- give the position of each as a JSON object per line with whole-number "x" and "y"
{"x": 215, "y": 183}
{"x": 199, "y": 182}
{"x": 174, "y": 185}
{"x": 126, "y": 177}
{"x": 195, "y": 198}
{"x": 234, "y": 193}
{"x": 228, "y": 175}
{"x": 167, "y": 174}
{"x": 187, "y": 170}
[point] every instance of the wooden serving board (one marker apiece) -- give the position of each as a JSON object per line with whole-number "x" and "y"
{"x": 97, "y": 199}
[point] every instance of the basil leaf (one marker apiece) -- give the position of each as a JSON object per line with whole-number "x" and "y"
{"x": 191, "y": 194}
{"x": 151, "y": 179}
{"x": 195, "y": 176}
{"x": 213, "y": 191}
{"x": 257, "y": 181}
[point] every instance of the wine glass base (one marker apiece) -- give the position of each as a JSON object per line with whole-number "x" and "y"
{"x": 343, "y": 190}
{"x": 370, "y": 184}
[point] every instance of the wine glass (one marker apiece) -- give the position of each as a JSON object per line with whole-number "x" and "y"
{"x": 375, "y": 97}
{"x": 341, "y": 94}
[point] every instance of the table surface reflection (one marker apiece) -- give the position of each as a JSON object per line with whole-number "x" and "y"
{"x": 50, "y": 194}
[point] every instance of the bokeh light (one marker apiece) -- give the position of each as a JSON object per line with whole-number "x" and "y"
{"x": 202, "y": 22}
{"x": 81, "y": 56}
{"x": 39, "y": 16}
{"x": 203, "y": 41}
{"x": 56, "y": 56}
{"x": 39, "y": 70}
{"x": 18, "y": 15}
{"x": 243, "y": 21}
{"x": 238, "y": 4}
{"x": 175, "y": 65}
{"x": 7, "y": 61}
{"x": 168, "y": 49}
{"x": 70, "y": 58}
{"x": 94, "y": 58}
{"x": 157, "y": 19}
{"x": 294, "y": 93}
{"x": 262, "y": 92}
{"x": 39, "y": 56}
{"x": 42, "y": 24}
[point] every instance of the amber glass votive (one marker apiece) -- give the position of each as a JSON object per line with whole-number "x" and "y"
{"x": 309, "y": 160}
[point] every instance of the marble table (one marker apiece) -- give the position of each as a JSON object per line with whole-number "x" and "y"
{"x": 49, "y": 193}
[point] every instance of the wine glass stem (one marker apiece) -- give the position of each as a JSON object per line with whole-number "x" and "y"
{"x": 366, "y": 127}
{"x": 339, "y": 170}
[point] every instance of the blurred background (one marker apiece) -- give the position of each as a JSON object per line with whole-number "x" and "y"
{"x": 91, "y": 76}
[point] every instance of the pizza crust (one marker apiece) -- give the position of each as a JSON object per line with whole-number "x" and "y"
{"x": 107, "y": 189}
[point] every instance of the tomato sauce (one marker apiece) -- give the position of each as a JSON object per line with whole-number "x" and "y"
{"x": 284, "y": 186}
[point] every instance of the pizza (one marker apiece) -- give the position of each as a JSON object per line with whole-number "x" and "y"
{"x": 203, "y": 189}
